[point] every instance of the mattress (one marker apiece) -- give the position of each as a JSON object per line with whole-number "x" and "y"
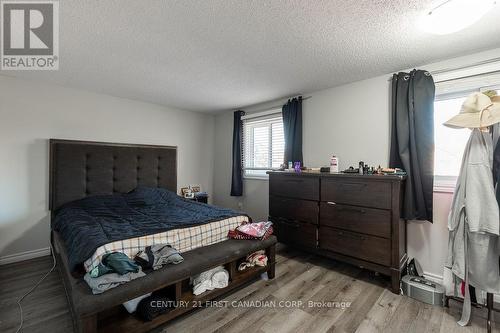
{"x": 183, "y": 240}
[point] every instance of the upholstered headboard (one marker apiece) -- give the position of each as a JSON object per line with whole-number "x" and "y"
{"x": 82, "y": 168}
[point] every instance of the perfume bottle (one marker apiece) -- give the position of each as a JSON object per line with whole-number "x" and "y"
{"x": 296, "y": 166}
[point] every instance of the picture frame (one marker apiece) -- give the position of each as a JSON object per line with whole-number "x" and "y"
{"x": 195, "y": 188}
{"x": 186, "y": 191}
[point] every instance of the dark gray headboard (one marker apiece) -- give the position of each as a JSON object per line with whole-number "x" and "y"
{"x": 82, "y": 168}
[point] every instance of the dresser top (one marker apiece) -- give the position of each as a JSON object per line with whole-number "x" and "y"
{"x": 338, "y": 175}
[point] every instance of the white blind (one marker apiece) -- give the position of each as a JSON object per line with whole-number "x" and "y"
{"x": 263, "y": 144}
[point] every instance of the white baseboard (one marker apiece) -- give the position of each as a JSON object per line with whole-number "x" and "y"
{"x": 434, "y": 277}
{"x": 11, "y": 258}
{"x": 481, "y": 295}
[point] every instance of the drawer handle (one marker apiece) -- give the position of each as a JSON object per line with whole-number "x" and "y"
{"x": 331, "y": 203}
{"x": 294, "y": 181}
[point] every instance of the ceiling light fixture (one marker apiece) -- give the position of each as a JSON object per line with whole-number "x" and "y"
{"x": 455, "y": 15}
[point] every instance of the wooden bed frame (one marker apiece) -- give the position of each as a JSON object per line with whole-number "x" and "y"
{"x": 81, "y": 168}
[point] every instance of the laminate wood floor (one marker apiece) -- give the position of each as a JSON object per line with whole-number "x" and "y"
{"x": 299, "y": 277}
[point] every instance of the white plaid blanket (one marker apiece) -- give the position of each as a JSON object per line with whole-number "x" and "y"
{"x": 182, "y": 240}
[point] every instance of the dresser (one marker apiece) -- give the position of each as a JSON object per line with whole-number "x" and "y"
{"x": 351, "y": 218}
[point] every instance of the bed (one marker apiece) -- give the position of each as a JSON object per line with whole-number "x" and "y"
{"x": 92, "y": 184}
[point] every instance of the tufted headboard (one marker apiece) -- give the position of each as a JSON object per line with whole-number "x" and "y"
{"x": 82, "y": 168}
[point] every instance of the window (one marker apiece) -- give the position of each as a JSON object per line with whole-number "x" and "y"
{"x": 263, "y": 143}
{"x": 450, "y": 143}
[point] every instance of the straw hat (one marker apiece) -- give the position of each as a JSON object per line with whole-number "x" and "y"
{"x": 477, "y": 111}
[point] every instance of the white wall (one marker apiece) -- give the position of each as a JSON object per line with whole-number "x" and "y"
{"x": 31, "y": 113}
{"x": 351, "y": 121}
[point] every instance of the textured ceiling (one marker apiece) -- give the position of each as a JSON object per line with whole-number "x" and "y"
{"x": 215, "y": 55}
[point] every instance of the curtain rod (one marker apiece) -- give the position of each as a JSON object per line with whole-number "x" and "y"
{"x": 452, "y": 69}
{"x": 469, "y": 76}
{"x": 278, "y": 106}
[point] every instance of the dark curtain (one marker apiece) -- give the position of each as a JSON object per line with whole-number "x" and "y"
{"x": 237, "y": 174}
{"x": 292, "y": 127}
{"x": 412, "y": 140}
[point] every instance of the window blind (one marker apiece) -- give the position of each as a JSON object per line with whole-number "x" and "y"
{"x": 263, "y": 143}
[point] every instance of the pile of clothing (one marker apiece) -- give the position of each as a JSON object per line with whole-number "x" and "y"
{"x": 215, "y": 278}
{"x": 156, "y": 256}
{"x": 117, "y": 268}
{"x": 258, "y": 258}
{"x": 258, "y": 230}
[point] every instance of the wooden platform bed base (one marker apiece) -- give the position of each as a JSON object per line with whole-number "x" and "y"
{"x": 104, "y": 312}
{"x": 80, "y": 169}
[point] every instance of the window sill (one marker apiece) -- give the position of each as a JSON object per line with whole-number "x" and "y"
{"x": 444, "y": 189}
{"x": 266, "y": 177}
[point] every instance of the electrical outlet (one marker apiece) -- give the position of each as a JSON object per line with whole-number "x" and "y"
{"x": 240, "y": 204}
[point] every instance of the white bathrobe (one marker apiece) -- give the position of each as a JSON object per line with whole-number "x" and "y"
{"x": 474, "y": 222}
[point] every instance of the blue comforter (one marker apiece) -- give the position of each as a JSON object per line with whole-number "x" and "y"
{"x": 89, "y": 223}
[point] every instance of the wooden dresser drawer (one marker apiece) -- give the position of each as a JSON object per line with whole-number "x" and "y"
{"x": 370, "y": 221}
{"x": 375, "y": 194}
{"x": 369, "y": 248}
{"x": 294, "y": 209}
{"x": 294, "y": 186}
{"x": 295, "y": 233}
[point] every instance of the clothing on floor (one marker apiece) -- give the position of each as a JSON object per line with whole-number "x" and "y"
{"x": 214, "y": 278}
{"x": 258, "y": 258}
{"x": 156, "y": 256}
{"x": 131, "y": 305}
{"x": 116, "y": 262}
{"x": 153, "y": 306}
{"x": 108, "y": 281}
{"x": 473, "y": 222}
